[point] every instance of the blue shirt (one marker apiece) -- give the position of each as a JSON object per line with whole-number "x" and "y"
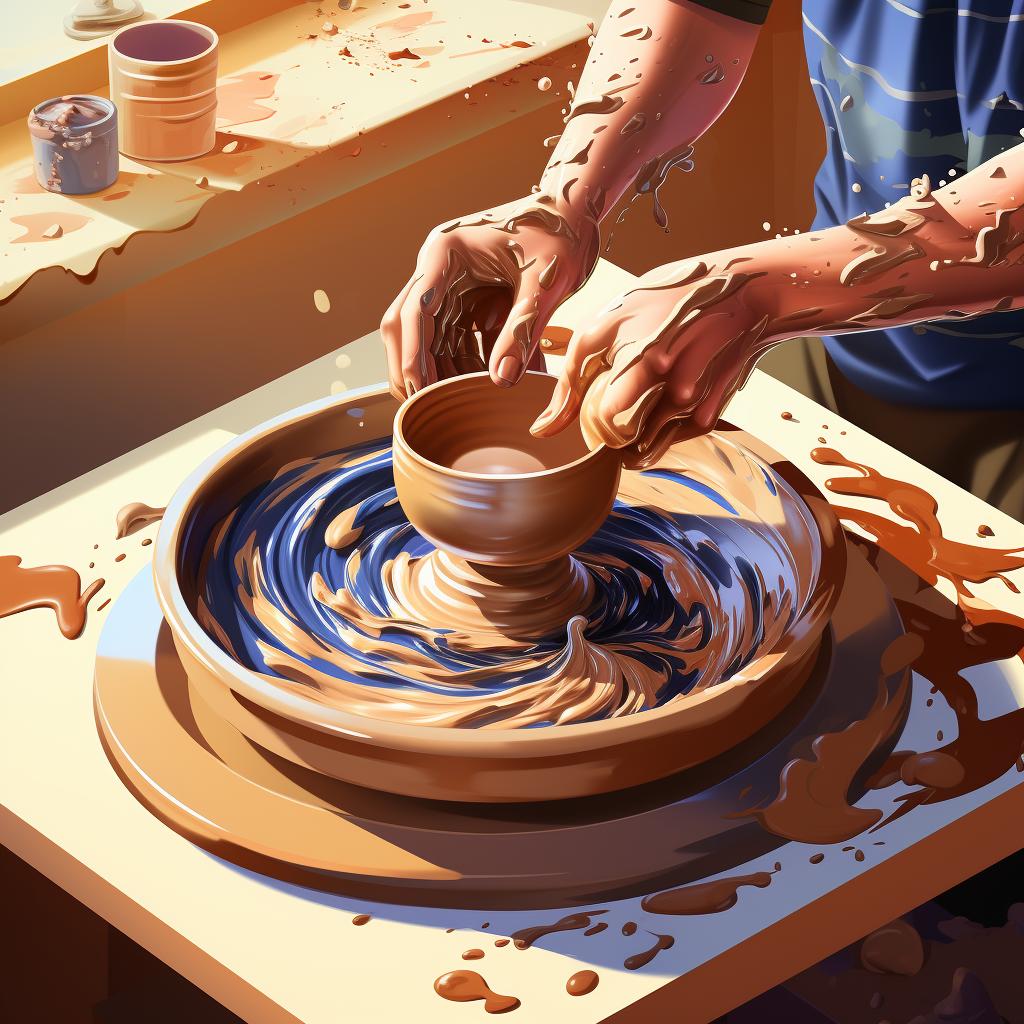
{"x": 912, "y": 87}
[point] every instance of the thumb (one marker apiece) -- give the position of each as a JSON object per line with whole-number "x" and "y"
{"x": 584, "y": 361}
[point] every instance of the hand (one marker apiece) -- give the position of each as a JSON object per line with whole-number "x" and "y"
{"x": 484, "y": 289}
{"x": 661, "y": 362}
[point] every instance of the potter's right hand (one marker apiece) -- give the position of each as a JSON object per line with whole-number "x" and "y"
{"x": 483, "y": 290}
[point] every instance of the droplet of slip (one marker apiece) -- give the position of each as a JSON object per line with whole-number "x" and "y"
{"x": 321, "y": 301}
{"x": 582, "y": 983}
{"x": 895, "y": 949}
{"x": 360, "y": 919}
{"x": 985, "y": 531}
{"x": 473, "y": 954}
{"x": 817, "y": 858}
{"x": 544, "y": 83}
{"x": 933, "y": 769}
{"x": 468, "y": 986}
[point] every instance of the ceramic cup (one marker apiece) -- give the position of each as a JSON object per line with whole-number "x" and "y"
{"x": 163, "y": 78}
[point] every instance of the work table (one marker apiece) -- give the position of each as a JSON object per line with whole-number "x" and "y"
{"x": 276, "y": 952}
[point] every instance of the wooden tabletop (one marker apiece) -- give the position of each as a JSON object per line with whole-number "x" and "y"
{"x": 275, "y": 952}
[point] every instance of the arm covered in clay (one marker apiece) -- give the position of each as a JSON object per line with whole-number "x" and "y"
{"x": 661, "y": 362}
{"x": 659, "y": 74}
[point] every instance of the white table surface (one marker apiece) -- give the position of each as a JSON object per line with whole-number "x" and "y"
{"x": 275, "y": 952}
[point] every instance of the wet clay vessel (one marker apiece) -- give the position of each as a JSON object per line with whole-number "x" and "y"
{"x": 505, "y": 509}
{"x": 478, "y": 764}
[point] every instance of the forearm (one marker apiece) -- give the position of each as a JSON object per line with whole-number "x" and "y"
{"x": 949, "y": 254}
{"x": 660, "y": 72}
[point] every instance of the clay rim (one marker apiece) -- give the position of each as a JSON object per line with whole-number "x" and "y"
{"x": 204, "y": 30}
{"x": 398, "y": 437}
{"x": 265, "y": 692}
{"x": 103, "y": 122}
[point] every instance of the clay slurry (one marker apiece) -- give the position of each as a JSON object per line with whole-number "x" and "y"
{"x": 946, "y": 639}
{"x": 712, "y": 897}
{"x": 57, "y": 587}
{"x": 642, "y": 959}
{"x": 468, "y": 986}
{"x": 582, "y": 983}
{"x": 526, "y": 937}
{"x": 135, "y": 516}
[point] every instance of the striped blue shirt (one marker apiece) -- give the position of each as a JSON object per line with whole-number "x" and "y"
{"x": 912, "y": 87}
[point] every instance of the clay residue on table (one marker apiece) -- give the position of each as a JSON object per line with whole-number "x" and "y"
{"x": 238, "y": 98}
{"x": 38, "y": 225}
{"x": 468, "y": 986}
{"x": 711, "y": 897}
{"x": 135, "y": 516}
{"x": 945, "y": 638}
{"x": 526, "y": 937}
{"x": 58, "y": 587}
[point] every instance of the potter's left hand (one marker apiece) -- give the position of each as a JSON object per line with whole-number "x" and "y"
{"x": 660, "y": 363}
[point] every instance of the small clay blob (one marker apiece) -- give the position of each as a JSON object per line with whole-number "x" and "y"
{"x": 582, "y": 983}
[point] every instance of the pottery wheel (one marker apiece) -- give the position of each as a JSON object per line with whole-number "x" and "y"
{"x": 208, "y": 782}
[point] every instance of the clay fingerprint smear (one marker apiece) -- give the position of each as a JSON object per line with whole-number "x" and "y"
{"x": 468, "y": 986}
{"x": 46, "y": 586}
{"x": 136, "y": 516}
{"x": 318, "y": 580}
{"x": 944, "y": 639}
{"x": 238, "y": 98}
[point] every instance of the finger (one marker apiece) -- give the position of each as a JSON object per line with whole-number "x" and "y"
{"x": 584, "y": 360}
{"x": 391, "y": 335}
{"x": 419, "y": 317}
{"x": 519, "y": 338}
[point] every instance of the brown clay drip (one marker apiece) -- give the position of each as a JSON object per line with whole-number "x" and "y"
{"x": 597, "y": 928}
{"x": 526, "y": 937}
{"x": 582, "y": 983}
{"x": 712, "y": 897}
{"x": 136, "y": 516}
{"x": 361, "y": 919}
{"x": 468, "y": 986}
{"x": 638, "y": 960}
{"x": 629, "y": 928}
{"x": 46, "y": 586}
{"x": 473, "y": 954}
{"x": 813, "y": 803}
{"x": 895, "y": 949}
{"x": 953, "y": 637}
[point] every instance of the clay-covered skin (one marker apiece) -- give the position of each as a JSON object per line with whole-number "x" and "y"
{"x": 486, "y": 284}
{"x": 661, "y": 362}
{"x": 704, "y": 566}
